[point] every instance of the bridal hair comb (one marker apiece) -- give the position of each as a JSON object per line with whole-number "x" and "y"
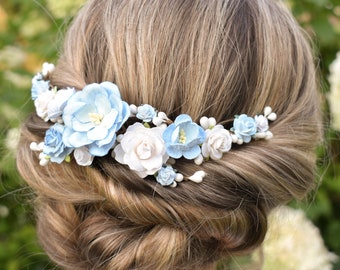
{"x": 88, "y": 124}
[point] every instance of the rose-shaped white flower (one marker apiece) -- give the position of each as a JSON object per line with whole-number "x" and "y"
{"x": 58, "y": 103}
{"x": 218, "y": 141}
{"x": 42, "y": 102}
{"x": 83, "y": 156}
{"x": 142, "y": 149}
{"x": 261, "y": 123}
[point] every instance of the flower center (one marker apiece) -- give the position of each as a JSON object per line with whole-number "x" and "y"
{"x": 182, "y": 137}
{"x": 96, "y": 118}
{"x": 144, "y": 150}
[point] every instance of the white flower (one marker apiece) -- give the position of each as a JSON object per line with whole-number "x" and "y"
{"x": 218, "y": 141}
{"x": 262, "y": 123}
{"x": 142, "y": 149}
{"x": 294, "y": 243}
{"x": 83, "y": 156}
{"x": 42, "y": 102}
{"x": 57, "y": 104}
{"x": 334, "y": 94}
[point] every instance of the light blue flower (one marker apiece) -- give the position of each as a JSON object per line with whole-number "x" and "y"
{"x": 183, "y": 138}
{"x": 244, "y": 127}
{"x": 54, "y": 146}
{"x": 166, "y": 176}
{"x": 146, "y": 112}
{"x": 39, "y": 86}
{"x": 93, "y": 116}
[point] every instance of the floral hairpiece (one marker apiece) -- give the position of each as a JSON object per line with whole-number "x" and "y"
{"x": 88, "y": 124}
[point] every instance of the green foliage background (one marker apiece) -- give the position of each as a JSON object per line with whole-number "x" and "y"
{"x": 31, "y": 32}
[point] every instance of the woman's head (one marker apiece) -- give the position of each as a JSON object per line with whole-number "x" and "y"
{"x": 217, "y": 58}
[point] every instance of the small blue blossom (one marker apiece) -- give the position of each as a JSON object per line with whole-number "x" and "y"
{"x": 146, "y": 112}
{"x": 166, "y": 176}
{"x": 183, "y": 138}
{"x": 54, "y": 146}
{"x": 39, "y": 86}
{"x": 93, "y": 116}
{"x": 244, "y": 127}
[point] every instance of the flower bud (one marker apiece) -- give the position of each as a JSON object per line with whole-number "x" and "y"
{"x": 199, "y": 160}
{"x": 133, "y": 109}
{"x": 198, "y": 176}
{"x": 212, "y": 122}
{"x": 204, "y": 122}
{"x": 267, "y": 110}
{"x": 179, "y": 177}
{"x": 157, "y": 121}
{"x": 272, "y": 116}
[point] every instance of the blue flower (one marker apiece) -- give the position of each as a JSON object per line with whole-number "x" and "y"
{"x": 39, "y": 86}
{"x": 183, "y": 137}
{"x": 93, "y": 116}
{"x": 244, "y": 127}
{"x": 146, "y": 113}
{"x": 166, "y": 176}
{"x": 54, "y": 146}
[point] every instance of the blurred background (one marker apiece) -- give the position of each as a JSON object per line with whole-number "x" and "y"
{"x": 31, "y": 33}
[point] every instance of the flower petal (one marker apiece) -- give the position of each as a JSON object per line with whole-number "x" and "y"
{"x": 70, "y": 109}
{"x": 77, "y": 139}
{"x": 100, "y": 151}
{"x": 102, "y": 104}
{"x": 154, "y": 163}
{"x": 109, "y": 118}
{"x": 111, "y": 136}
{"x": 174, "y": 151}
{"x": 192, "y": 152}
{"x": 97, "y": 133}
{"x": 182, "y": 119}
{"x": 119, "y": 154}
{"x": 112, "y": 87}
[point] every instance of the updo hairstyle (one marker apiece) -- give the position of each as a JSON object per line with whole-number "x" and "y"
{"x": 213, "y": 58}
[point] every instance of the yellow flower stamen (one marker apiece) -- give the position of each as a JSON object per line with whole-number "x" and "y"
{"x": 96, "y": 118}
{"x": 182, "y": 137}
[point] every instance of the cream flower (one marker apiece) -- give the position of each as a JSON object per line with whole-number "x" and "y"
{"x": 262, "y": 123}
{"x": 83, "y": 156}
{"x": 294, "y": 243}
{"x": 142, "y": 149}
{"x": 57, "y": 104}
{"x": 42, "y": 103}
{"x": 218, "y": 141}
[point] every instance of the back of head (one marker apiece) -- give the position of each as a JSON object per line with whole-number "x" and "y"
{"x": 217, "y": 58}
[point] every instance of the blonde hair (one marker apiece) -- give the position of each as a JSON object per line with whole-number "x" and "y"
{"x": 217, "y": 58}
